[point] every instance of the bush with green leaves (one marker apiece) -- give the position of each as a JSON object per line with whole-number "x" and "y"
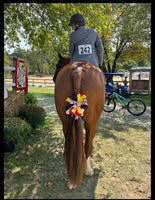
{"x": 33, "y": 114}
{"x": 30, "y": 99}
{"x": 16, "y": 130}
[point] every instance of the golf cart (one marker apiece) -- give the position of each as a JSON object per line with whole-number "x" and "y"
{"x": 111, "y": 86}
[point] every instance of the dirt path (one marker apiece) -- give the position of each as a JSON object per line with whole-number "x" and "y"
{"x": 118, "y": 116}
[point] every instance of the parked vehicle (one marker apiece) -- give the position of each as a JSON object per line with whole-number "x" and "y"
{"x": 111, "y": 87}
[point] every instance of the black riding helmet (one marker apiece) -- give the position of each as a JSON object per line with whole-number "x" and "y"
{"x": 77, "y": 18}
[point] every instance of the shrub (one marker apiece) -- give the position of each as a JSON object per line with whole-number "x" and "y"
{"x": 33, "y": 114}
{"x": 30, "y": 99}
{"x": 16, "y": 130}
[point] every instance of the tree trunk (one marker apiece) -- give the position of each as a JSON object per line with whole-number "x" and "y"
{"x": 107, "y": 58}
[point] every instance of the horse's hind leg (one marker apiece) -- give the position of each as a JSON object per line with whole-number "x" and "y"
{"x": 90, "y": 133}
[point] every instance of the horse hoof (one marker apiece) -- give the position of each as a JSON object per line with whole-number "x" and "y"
{"x": 89, "y": 172}
{"x": 88, "y": 169}
{"x": 71, "y": 186}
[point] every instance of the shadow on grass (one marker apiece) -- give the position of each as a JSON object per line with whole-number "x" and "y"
{"x": 37, "y": 170}
{"x": 113, "y": 130}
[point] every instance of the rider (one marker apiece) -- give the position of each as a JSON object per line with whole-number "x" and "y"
{"x": 125, "y": 81}
{"x": 110, "y": 83}
{"x": 113, "y": 87}
{"x": 83, "y": 42}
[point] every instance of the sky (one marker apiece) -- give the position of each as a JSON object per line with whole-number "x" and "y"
{"x": 23, "y": 44}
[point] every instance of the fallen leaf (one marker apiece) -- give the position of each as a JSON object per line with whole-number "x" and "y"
{"x": 142, "y": 191}
{"x": 48, "y": 184}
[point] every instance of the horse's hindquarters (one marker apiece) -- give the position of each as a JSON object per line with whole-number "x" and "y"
{"x": 89, "y": 80}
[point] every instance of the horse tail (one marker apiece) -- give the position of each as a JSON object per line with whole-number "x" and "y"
{"x": 74, "y": 149}
{"x": 74, "y": 152}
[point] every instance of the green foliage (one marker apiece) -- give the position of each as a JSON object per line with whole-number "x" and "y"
{"x": 7, "y": 60}
{"x": 128, "y": 64}
{"x": 33, "y": 114}
{"x": 47, "y": 23}
{"x": 130, "y": 37}
{"x": 125, "y": 29}
{"x": 30, "y": 99}
{"x": 19, "y": 53}
{"x": 16, "y": 130}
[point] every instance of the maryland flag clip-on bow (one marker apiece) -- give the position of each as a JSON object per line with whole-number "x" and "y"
{"x": 76, "y": 108}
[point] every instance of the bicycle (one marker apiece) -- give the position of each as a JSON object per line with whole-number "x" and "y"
{"x": 134, "y": 106}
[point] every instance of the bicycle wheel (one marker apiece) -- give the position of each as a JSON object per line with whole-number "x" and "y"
{"x": 109, "y": 105}
{"x": 136, "y": 107}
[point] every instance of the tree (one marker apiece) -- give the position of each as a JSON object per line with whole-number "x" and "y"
{"x": 130, "y": 37}
{"x": 19, "y": 53}
{"x": 43, "y": 22}
{"x": 7, "y": 61}
{"x": 45, "y": 25}
{"x": 123, "y": 27}
{"x": 35, "y": 61}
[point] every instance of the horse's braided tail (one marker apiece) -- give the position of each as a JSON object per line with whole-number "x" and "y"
{"x": 74, "y": 150}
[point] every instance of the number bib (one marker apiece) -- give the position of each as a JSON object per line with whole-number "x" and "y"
{"x": 85, "y": 49}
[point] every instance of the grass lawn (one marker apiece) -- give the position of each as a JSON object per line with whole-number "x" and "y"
{"x": 38, "y": 91}
{"x": 121, "y": 161}
{"x": 41, "y": 91}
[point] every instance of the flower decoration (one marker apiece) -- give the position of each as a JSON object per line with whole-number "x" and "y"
{"x": 76, "y": 108}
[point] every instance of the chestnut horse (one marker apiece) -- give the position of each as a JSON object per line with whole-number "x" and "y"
{"x": 71, "y": 79}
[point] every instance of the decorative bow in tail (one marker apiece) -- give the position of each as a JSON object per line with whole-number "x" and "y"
{"x": 77, "y": 106}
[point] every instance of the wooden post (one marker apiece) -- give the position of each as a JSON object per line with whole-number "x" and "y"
{"x": 130, "y": 81}
{"x": 149, "y": 87}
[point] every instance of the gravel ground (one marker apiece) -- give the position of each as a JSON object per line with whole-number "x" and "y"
{"x": 117, "y": 116}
